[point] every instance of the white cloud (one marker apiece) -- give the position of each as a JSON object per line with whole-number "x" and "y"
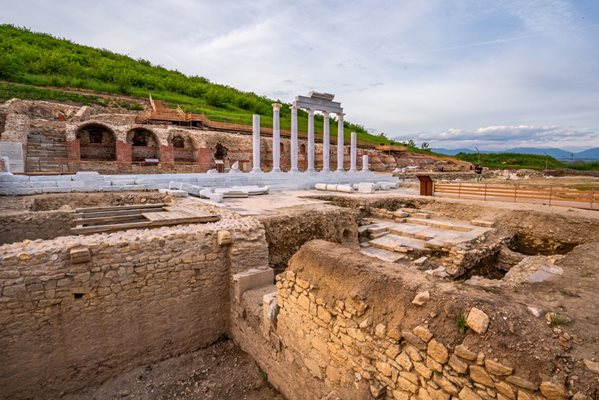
{"x": 506, "y": 136}
{"x": 397, "y": 66}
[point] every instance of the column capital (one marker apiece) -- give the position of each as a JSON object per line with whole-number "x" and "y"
{"x": 276, "y": 106}
{"x": 340, "y": 115}
{"x": 325, "y": 114}
{"x": 310, "y": 111}
{"x": 293, "y": 107}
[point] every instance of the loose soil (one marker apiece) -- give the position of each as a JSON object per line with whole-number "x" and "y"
{"x": 219, "y": 372}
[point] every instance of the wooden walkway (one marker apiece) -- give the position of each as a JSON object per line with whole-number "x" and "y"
{"x": 551, "y": 195}
{"x": 110, "y": 219}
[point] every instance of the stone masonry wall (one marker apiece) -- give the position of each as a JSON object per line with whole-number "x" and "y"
{"x": 77, "y": 310}
{"x": 345, "y": 327}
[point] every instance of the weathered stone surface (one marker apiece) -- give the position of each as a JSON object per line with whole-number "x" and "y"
{"x": 421, "y": 298}
{"x": 406, "y": 385}
{"x": 478, "y": 374}
{"x": 463, "y": 352}
{"x": 468, "y": 394}
{"x": 477, "y": 320}
{"x": 553, "y": 391}
{"x": 458, "y": 365}
{"x": 437, "y": 351}
{"x": 497, "y": 368}
{"x": 404, "y": 361}
{"x": 423, "y": 370}
{"x": 592, "y": 365}
{"x": 423, "y": 333}
{"x": 413, "y": 340}
{"x": 521, "y": 382}
{"x": 505, "y": 389}
{"x": 437, "y": 394}
{"x": 401, "y": 395}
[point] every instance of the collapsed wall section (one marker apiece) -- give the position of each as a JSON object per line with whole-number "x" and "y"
{"x": 78, "y": 310}
{"x": 346, "y": 327}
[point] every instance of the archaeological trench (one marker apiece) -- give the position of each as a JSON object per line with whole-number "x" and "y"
{"x": 354, "y": 297}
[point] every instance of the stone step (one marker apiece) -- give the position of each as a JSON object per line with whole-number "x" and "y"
{"x": 412, "y": 231}
{"x": 448, "y": 225}
{"x": 382, "y": 254}
{"x": 399, "y": 244}
{"x": 482, "y": 223}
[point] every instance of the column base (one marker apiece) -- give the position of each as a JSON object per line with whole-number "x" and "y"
{"x": 255, "y": 171}
{"x": 275, "y": 170}
{"x": 293, "y": 170}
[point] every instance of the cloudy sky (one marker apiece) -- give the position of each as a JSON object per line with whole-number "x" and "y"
{"x": 453, "y": 73}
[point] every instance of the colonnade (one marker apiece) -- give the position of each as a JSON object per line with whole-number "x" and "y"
{"x": 326, "y": 143}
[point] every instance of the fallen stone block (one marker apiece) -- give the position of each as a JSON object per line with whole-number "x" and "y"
{"x": 482, "y": 223}
{"x": 364, "y": 187}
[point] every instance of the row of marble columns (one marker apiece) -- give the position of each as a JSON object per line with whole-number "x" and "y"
{"x": 326, "y": 143}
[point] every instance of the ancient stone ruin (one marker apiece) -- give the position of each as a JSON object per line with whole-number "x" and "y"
{"x": 365, "y": 292}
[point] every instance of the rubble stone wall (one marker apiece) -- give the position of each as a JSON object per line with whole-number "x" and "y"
{"x": 347, "y": 327}
{"x": 77, "y": 310}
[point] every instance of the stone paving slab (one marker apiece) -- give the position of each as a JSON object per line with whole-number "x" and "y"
{"x": 382, "y": 254}
{"x": 397, "y": 243}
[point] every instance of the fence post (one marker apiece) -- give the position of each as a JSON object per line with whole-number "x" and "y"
{"x": 485, "y": 198}
{"x": 550, "y": 193}
{"x": 516, "y": 193}
{"x": 592, "y": 198}
{"x": 459, "y": 189}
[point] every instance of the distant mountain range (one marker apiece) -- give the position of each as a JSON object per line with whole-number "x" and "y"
{"x": 586, "y": 155}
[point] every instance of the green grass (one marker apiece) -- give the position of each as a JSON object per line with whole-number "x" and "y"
{"x": 512, "y": 161}
{"x": 461, "y": 324}
{"x": 41, "y": 60}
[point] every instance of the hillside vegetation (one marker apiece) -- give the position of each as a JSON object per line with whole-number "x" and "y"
{"x": 527, "y": 161}
{"x": 36, "y": 59}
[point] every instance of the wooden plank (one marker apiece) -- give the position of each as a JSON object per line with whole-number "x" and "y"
{"x": 114, "y": 213}
{"x": 104, "y": 220}
{"x": 116, "y": 208}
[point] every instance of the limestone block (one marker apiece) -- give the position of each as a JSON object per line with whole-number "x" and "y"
{"x": 80, "y": 255}
{"x": 421, "y": 298}
{"x": 437, "y": 351}
{"x": 477, "y": 320}
{"x": 251, "y": 279}
{"x": 458, "y": 365}
{"x": 478, "y": 374}
{"x": 468, "y": 394}
{"x": 497, "y": 368}
{"x": 365, "y": 187}
{"x": 224, "y": 238}
{"x": 423, "y": 333}
{"x": 413, "y": 340}
{"x": 463, "y": 352}
{"x": 553, "y": 391}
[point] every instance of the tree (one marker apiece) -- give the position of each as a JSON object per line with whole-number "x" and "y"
{"x": 411, "y": 143}
{"x": 425, "y": 146}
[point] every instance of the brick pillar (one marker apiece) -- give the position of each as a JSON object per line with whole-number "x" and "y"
{"x": 73, "y": 154}
{"x": 74, "y": 150}
{"x": 204, "y": 158}
{"x": 123, "y": 154}
{"x": 167, "y": 157}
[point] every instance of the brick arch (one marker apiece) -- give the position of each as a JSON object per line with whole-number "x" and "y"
{"x": 183, "y": 147}
{"x": 97, "y": 142}
{"x": 145, "y": 144}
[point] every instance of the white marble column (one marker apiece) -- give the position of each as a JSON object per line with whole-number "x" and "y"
{"x": 256, "y": 143}
{"x": 353, "y": 152}
{"x": 294, "y": 139}
{"x": 310, "y": 141}
{"x": 276, "y": 138}
{"x": 340, "y": 142}
{"x": 365, "y": 163}
{"x": 326, "y": 143}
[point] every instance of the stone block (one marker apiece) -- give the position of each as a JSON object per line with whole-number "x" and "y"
{"x": 251, "y": 279}
{"x": 437, "y": 351}
{"x": 477, "y": 320}
{"x": 80, "y": 255}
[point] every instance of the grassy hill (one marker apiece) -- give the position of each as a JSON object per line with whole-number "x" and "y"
{"x": 525, "y": 161}
{"x": 37, "y": 60}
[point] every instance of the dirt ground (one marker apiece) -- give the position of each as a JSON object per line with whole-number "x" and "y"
{"x": 219, "y": 372}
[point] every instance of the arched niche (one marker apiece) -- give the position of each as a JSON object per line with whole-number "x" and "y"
{"x": 144, "y": 144}
{"x": 96, "y": 142}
